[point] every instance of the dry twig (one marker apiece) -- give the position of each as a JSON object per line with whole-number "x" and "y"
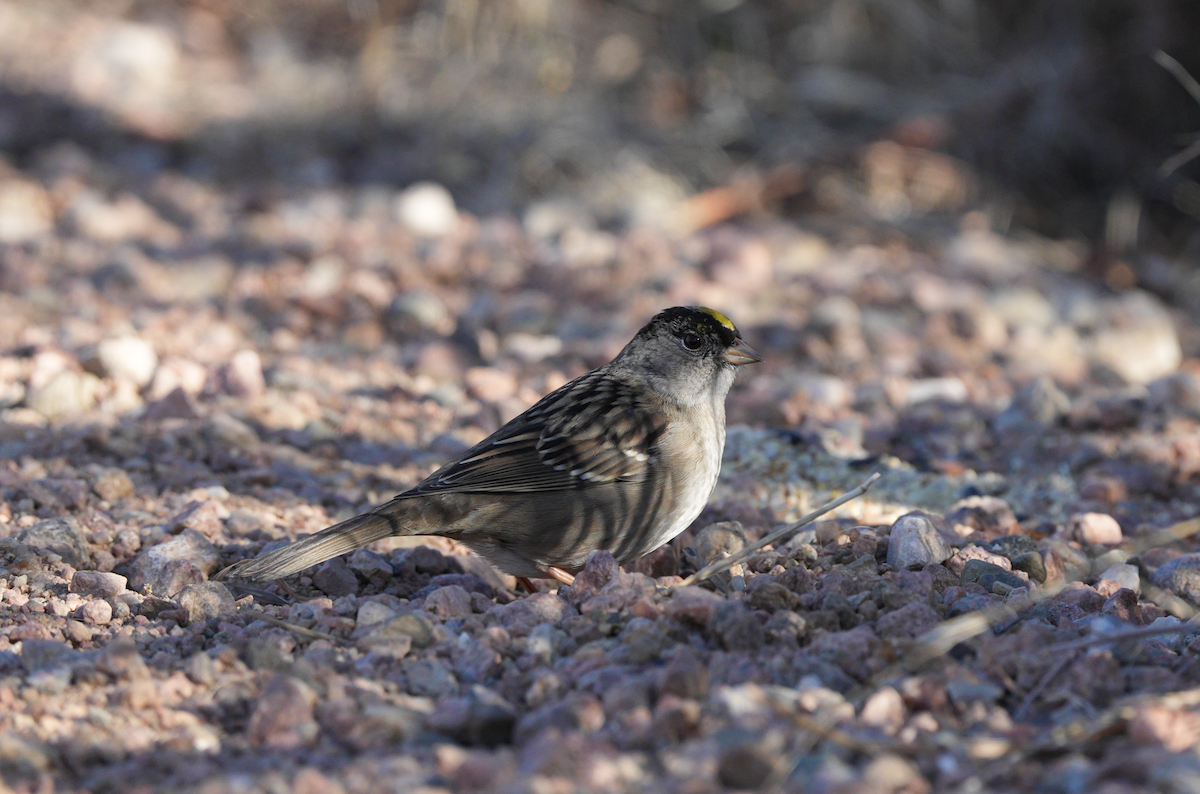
{"x": 777, "y": 535}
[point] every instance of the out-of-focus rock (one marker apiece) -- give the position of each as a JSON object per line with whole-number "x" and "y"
{"x": 68, "y": 393}
{"x": 26, "y": 212}
{"x": 113, "y": 484}
{"x": 283, "y": 715}
{"x": 243, "y": 375}
{"x": 719, "y": 540}
{"x": 128, "y": 358}
{"x": 1121, "y": 575}
{"x": 426, "y": 209}
{"x": 1094, "y": 528}
{"x": 1181, "y": 575}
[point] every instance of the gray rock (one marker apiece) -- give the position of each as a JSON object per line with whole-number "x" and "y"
{"x": 335, "y": 578}
{"x": 914, "y": 543}
{"x": 482, "y": 718}
{"x": 45, "y": 654}
{"x": 430, "y": 678}
{"x": 122, "y": 660}
{"x": 173, "y": 564}
{"x": 1180, "y": 575}
{"x": 417, "y": 626}
{"x": 1040, "y": 404}
{"x": 735, "y": 627}
{"x": 1094, "y": 528}
{"x": 63, "y": 536}
{"x": 449, "y": 602}
{"x": 205, "y": 600}
{"x": 747, "y": 759}
{"x": 1032, "y": 564}
{"x": 974, "y": 569}
{"x": 370, "y": 567}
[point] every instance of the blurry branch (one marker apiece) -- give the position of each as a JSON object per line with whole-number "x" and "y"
{"x": 1190, "y": 85}
{"x": 744, "y": 195}
{"x": 779, "y": 534}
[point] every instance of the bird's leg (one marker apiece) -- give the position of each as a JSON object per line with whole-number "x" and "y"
{"x": 528, "y": 585}
{"x": 560, "y": 575}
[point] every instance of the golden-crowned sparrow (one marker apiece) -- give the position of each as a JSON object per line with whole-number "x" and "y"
{"x": 623, "y": 458}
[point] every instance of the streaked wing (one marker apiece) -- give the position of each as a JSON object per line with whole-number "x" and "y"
{"x": 607, "y": 435}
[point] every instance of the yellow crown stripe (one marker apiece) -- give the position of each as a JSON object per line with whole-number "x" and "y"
{"x": 716, "y": 315}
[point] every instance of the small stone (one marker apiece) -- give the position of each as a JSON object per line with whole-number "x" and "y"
{"x": 770, "y": 596}
{"x": 1176, "y": 730}
{"x": 482, "y": 718}
{"x": 972, "y": 552}
{"x": 1181, "y": 575}
{"x": 370, "y": 567}
{"x": 335, "y": 579}
{"x": 128, "y": 358}
{"x": 892, "y": 774}
{"x": 78, "y": 633}
{"x": 205, "y": 600}
{"x": 178, "y": 561}
{"x": 989, "y": 515}
{"x": 243, "y": 375}
{"x": 63, "y": 536}
{"x": 914, "y": 543}
{"x": 113, "y": 484}
{"x": 884, "y": 710}
{"x": 1121, "y": 575}
{"x": 45, "y": 654}
{"x": 735, "y": 627}
{"x": 429, "y": 678}
{"x": 98, "y": 613}
{"x": 449, "y": 602}
{"x": 283, "y": 715}
{"x": 415, "y": 625}
{"x": 97, "y": 584}
{"x": 370, "y": 615}
{"x": 693, "y": 605}
{"x": 426, "y": 209}
{"x": 1094, "y": 528}
{"x": 1030, "y": 563}
{"x": 747, "y": 759}
{"x": 719, "y": 540}
{"x": 204, "y": 517}
{"x": 974, "y": 569}
{"x": 121, "y": 659}
{"x": 685, "y": 676}
{"x": 68, "y": 393}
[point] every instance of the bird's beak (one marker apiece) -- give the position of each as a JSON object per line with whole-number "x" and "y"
{"x": 740, "y": 353}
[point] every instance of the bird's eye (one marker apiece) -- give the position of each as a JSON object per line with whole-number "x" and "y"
{"x": 691, "y": 341}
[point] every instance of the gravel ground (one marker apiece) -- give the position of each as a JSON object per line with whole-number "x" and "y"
{"x": 188, "y": 380}
{"x": 193, "y": 370}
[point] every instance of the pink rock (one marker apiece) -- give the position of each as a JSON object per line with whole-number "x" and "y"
{"x": 973, "y": 552}
{"x": 243, "y": 375}
{"x": 449, "y": 602}
{"x": 693, "y": 605}
{"x": 283, "y": 717}
{"x": 1081, "y": 595}
{"x": 97, "y": 613}
{"x": 1097, "y": 528}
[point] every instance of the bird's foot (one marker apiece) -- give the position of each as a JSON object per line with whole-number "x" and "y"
{"x": 560, "y": 575}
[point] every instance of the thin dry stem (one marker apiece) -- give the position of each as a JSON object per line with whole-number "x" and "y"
{"x": 777, "y": 535}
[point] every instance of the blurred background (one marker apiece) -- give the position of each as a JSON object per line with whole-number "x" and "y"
{"x": 918, "y": 209}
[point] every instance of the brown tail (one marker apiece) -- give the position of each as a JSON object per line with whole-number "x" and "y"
{"x": 326, "y": 544}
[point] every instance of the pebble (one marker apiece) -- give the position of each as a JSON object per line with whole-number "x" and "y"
{"x": 1094, "y": 528}
{"x": 242, "y": 376}
{"x": 1118, "y": 576}
{"x": 205, "y": 600}
{"x": 113, "y": 484}
{"x": 426, "y": 209}
{"x": 719, "y": 540}
{"x": 66, "y": 394}
{"x": 914, "y": 542}
{"x": 176, "y": 562}
{"x": 128, "y": 358}
{"x": 63, "y": 536}
{"x": 335, "y": 579}
{"x": 283, "y": 715}
{"x": 98, "y": 584}
{"x": 449, "y": 602}
{"x": 1180, "y": 575}
{"x": 97, "y": 613}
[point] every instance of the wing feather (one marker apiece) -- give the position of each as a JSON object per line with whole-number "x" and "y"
{"x": 591, "y": 431}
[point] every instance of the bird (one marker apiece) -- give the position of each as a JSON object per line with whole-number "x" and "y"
{"x": 622, "y": 458}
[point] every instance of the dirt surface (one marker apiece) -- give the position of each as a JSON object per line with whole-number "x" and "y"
{"x": 194, "y": 369}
